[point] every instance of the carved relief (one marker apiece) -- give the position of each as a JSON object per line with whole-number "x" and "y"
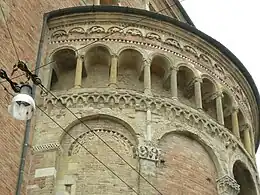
{"x": 115, "y": 29}
{"x": 148, "y": 153}
{"x": 134, "y": 32}
{"x": 228, "y": 186}
{"x": 96, "y": 29}
{"x": 77, "y": 30}
{"x": 47, "y": 147}
{"x": 173, "y": 42}
{"x": 139, "y": 102}
{"x": 204, "y": 58}
{"x": 191, "y": 50}
{"x": 153, "y": 36}
{"x": 59, "y": 34}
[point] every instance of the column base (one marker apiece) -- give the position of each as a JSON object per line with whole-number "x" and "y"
{"x": 112, "y": 85}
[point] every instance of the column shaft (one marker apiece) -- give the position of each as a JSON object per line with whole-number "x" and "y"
{"x": 78, "y": 74}
{"x": 235, "y": 125}
{"x": 174, "y": 89}
{"x": 147, "y": 78}
{"x": 113, "y": 72}
{"x": 247, "y": 140}
{"x": 198, "y": 99}
{"x": 220, "y": 115}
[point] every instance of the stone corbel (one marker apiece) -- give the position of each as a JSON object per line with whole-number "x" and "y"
{"x": 228, "y": 186}
{"x": 148, "y": 153}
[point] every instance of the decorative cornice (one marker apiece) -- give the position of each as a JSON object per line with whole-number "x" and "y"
{"x": 228, "y": 186}
{"x": 46, "y": 147}
{"x": 171, "y": 109}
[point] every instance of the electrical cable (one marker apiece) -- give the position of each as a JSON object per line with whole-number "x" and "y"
{"x": 99, "y": 39}
{"x": 74, "y": 113}
{"x": 80, "y": 144}
{"x": 102, "y": 140}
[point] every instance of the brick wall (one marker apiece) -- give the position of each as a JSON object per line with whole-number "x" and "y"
{"x": 25, "y": 19}
{"x": 187, "y": 169}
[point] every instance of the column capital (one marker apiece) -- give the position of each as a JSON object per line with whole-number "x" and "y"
{"x": 228, "y": 186}
{"x": 147, "y": 152}
{"x": 174, "y": 68}
{"x": 114, "y": 55}
{"x": 147, "y": 62}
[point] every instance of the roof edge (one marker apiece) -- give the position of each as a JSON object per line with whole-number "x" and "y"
{"x": 185, "y": 26}
{"x": 184, "y": 13}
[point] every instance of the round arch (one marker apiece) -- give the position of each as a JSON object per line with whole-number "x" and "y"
{"x": 89, "y": 48}
{"x": 163, "y": 56}
{"x": 204, "y": 143}
{"x": 54, "y": 51}
{"x": 244, "y": 178}
{"x": 131, "y": 47}
{"x": 191, "y": 68}
{"x": 99, "y": 116}
{"x": 214, "y": 82}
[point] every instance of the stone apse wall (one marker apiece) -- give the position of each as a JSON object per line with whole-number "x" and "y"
{"x": 165, "y": 100}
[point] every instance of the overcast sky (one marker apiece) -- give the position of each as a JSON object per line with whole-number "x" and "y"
{"x": 234, "y": 23}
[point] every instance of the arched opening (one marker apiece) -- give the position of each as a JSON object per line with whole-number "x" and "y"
{"x": 108, "y": 2}
{"x": 129, "y": 72}
{"x": 244, "y": 179}
{"x": 186, "y": 167}
{"x": 208, "y": 90}
{"x": 227, "y": 110}
{"x": 91, "y": 176}
{"x": 160, "y": 84}
{"x": 63, "y": 72}
{"x": 97, "y": 61}
{"x": 185, "y": 78}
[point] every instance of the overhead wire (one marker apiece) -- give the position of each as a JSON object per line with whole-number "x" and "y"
{"x": 45, "y": 89}
{"x": 82, "y": 145}
{"x": 98, "y": 39}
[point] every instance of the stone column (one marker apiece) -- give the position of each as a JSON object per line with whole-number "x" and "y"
{"x": 235, "y": 125}
{"x": 228, "y": 186}
{"x": 78, "y": 74}
{"x": 174, "y": 88}
{"x": 197, "y": 88}
{"x": 220, "y": 115}
{"x": 113, "y": 71}
{"x": 247, "y": 139}
{"x": 147, "y": 77}
{"x": 96, "y": 2}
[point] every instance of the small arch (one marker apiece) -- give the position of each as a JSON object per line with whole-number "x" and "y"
{"x": 185, "y": 85}
{"x": 227, "y": 106}
{"x": 97, "y": 60}
{"x": 244, "y": 178}
{"x": 208, "y": 93}
{"x": 63, "y": 69}
{"x": 160, "y": 79}
{"x": 131, "y": 47}
{"x": 130, "y": 70}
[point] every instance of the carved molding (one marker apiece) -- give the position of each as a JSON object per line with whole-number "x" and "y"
{"x": 46, "y": 147}
{"x": 138, "y": 101}
{"x": 89, "y": 135}
{"x": 197, "y": 55}
{"x": 228, "y": 186}
{"x": 147, "y": 152}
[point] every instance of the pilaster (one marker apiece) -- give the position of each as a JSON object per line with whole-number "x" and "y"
{"x": 78, "y": 73}
{"x": 235, "y": 125}
{"x": 219, "y": 106}
{"x": 197, "y": 88}
{"x": 147, "y": 77}
{"x": 174, "y": 89}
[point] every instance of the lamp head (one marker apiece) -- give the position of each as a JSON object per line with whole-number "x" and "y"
{"x": 22, "y": 106}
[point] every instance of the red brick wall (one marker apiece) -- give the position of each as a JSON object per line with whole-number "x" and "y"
{"x": 187, "y": 169}
{"x": 25, "y": 20}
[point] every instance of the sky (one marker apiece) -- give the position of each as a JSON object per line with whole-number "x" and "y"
{"x": 234, "y": 23}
